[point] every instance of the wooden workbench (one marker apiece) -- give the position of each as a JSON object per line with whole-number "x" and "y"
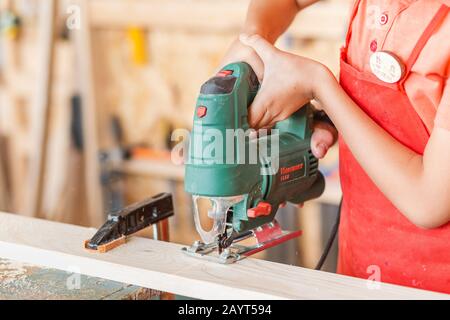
{"x": 23, "y": 281}
{"x": 162, "y": 266}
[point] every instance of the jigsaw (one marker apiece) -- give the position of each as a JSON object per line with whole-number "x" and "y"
{"x": 244, "y": 190}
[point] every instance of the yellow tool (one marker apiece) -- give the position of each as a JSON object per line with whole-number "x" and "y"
{"x": 10, "y": 24}
{"x": 139, "y": 49}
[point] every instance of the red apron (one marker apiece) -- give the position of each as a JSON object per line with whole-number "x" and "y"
{"x": 373, "y": 234}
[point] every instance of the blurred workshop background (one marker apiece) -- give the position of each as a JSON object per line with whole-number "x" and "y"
{"x": 91, "y": 90}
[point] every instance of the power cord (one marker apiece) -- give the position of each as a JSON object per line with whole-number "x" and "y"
{"x": 330, "y": 240}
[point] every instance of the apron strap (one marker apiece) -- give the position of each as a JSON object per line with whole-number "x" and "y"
{"x": 435, "y": 22}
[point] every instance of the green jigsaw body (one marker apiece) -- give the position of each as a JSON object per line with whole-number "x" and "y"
{"x": 216, "y": 172}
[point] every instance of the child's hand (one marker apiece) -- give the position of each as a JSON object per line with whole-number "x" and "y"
{"x": 323, "y": 137}
{"x": 289, "y": 82}
{"x": 241, "y": 52}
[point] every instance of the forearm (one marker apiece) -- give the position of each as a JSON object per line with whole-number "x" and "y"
{"x": 270, "y": 18}
{"x": 415, "y": 184}
{"x": 419, "y": 186}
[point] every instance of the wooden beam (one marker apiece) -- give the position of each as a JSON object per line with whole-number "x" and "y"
{"x": 4, "y": 178}
{"x": 41, "y": 108}
{"x": 212, "y": 16}
{"x": 332, "y": 193}
{"x": 162, "y": 266}
{"x": 311, "y": 240}
{"x": 164, "y": 169}
{"x": 89, "y": 117}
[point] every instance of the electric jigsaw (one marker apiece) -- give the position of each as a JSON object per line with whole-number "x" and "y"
{"x": 245, "y": 190}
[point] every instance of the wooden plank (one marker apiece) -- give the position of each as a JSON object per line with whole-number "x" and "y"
{"x": 212, "y": 16}
{"x": 162, "y": 266}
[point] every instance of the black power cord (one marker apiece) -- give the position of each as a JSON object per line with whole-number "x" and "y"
{"x": 330, "y": 240}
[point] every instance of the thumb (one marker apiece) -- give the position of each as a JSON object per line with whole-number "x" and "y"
{"x": 262, "y": 47}
{"x": 322, "y": 139}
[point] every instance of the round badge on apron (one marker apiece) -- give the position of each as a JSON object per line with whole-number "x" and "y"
{"x": 387, "y": 66}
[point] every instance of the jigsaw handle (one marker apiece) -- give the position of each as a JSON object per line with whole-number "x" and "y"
{"x": 299, "y": 123}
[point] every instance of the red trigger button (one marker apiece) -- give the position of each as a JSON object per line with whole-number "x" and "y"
{"x": 262, "y": 209}
{"x": 224, "y": 73}
{"x": 201, "y": 111}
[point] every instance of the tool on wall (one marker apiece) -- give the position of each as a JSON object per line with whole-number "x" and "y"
{"x": 10, "y": 24}
{"x": 245, "y": 200}
{"x": 124, "y": 223}
{"x": 137, "y": 40}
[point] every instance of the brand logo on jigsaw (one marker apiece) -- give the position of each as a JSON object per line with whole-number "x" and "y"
{"x": 211, "y": 146}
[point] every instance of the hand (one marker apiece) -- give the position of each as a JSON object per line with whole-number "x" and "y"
{"x": 289, "y": 82}
{"x": 323, "y": 137}
{"x": 241, "y": 52}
